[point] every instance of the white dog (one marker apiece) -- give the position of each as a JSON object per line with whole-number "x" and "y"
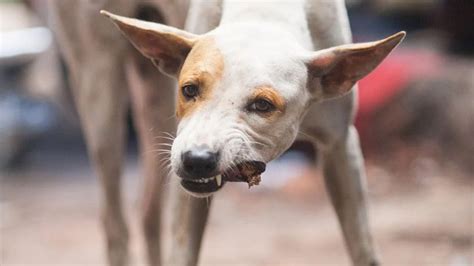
{"x": 251, "y": 76}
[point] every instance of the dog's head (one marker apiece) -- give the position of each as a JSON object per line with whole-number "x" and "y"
{"x": 243, "y": 92}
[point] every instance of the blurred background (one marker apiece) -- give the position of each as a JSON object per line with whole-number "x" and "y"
{"x": 415, "y": 118}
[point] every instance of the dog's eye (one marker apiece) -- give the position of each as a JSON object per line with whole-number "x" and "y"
{"x": 262, "y": 106}
{"x": 190, "y": 91}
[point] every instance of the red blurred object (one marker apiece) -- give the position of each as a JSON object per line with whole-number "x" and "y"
{"x": 401, "y": 67}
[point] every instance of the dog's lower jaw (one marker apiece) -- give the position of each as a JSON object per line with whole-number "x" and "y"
{"x": 202, "y": 187}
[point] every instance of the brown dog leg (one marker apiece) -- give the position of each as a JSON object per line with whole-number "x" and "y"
{"x": 94, "y": 56}
{"x": 100, "y": 97}
{"x": 101, "y": 102}
{"x": 152, "y": 96}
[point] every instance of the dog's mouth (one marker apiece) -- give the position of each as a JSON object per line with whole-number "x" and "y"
{"x": 248, "y": 171}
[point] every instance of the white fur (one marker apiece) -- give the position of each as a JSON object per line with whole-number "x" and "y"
{"x": 262, "y": 43}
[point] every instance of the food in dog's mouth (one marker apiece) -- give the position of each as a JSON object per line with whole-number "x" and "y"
{"x": 248, "y": 172}
{"x": 254, "y": 180}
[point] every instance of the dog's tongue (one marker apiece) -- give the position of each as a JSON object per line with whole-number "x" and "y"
{"x": 248, "y": 172}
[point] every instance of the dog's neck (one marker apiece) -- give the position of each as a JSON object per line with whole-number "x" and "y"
{"x": 288, "y": 17}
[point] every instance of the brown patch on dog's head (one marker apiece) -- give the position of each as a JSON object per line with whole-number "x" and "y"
{"x": 269, "y": 94}
{"x": 203, "y": 67}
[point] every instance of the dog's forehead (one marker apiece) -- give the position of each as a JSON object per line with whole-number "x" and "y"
{"x": 256, "y": 57}
{"x": 230, "y": 54}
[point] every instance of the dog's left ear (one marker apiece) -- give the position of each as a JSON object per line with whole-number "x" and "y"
{"x": 166, "y": 46}
{"x": 333, "y": 72}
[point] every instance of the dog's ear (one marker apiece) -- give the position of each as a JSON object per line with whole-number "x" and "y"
{"x": 333, "y": 72}
{"x": 166, "y": 46}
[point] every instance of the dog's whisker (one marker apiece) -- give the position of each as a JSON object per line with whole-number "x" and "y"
{"x": 163, "y": 164}
{"x": 165, "y": 157}
{"x": 159, "y": 151}
{"x": 163, "y": 144}
{"x": 165, "y": 135}
{"x": 161, "y": 154}
{"x": 168, "y": 134}
{"x": 167, "y": 165}
{"x": 165, "y": 150}
{"x": 154, "y": 152}
{"x": 165, "y": 138}
{"x": 168, "y": 151}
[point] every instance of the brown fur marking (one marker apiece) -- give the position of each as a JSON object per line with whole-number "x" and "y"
{"x": 270, "y": 94}
{"x": 203, "y": 67}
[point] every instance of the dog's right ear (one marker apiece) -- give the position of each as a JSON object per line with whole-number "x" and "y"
{"x": 166, "y": 46}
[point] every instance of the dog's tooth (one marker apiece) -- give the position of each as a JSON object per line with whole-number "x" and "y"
{"x": 219, "y": 180}
{"x": 206, "y": 180}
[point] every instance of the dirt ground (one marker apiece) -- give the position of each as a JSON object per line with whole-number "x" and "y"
{"x": 49, "y": 216}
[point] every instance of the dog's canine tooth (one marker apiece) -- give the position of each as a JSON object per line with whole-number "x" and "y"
{"x": 219, "y": 180}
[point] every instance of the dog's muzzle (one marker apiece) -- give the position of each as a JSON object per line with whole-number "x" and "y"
{"x": 248, "y": 172}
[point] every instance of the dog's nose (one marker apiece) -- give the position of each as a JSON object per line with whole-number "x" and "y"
{"x": 200, "y": 162}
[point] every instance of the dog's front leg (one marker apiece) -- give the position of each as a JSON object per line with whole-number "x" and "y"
{"x": 345, "y": 181}
{"x": 188, "y": 224}
{"x": 152, "y": 96}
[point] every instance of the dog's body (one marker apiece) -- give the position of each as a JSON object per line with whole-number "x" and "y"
{"x": 238, "y": 53}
